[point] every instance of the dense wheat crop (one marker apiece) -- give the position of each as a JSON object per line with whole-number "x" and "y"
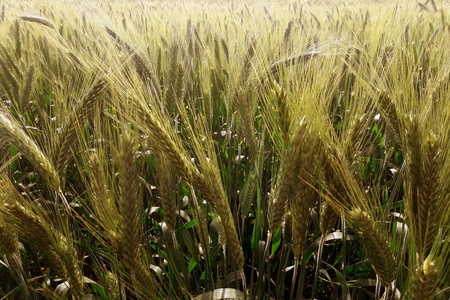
{"x": 224, "y": 149}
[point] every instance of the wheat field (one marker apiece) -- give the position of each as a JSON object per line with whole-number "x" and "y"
{"x": 205, "y": 149}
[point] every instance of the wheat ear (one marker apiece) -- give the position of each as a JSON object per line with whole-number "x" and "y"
{"x": 303, "y": 200}
{"x": 77, "y": 118}
{"x": 354, "y": 138}
{"x": 12, "y": 132}
{"x": 51, "y": 242}
{"x": 377, "y": 246}
{"x": 167, "y": 184}
{"x": 166, "y": 144}
{"x": 423, "y": 281}
{"x": 141, "y": 66}
{"x": 208, "y": 184}
{"x": 72, "y": 270}
{"x": 112, "y": 285}
{"x": 9, "y": 243}
{"x": 284, "y": 115}
{"x": 300, "y": 205}
{"x": 129, "y": 211}
{"x": 18, "y": 41}
{"x": 245, "y": 113}
{"x": 103, "y": 205}
{"x": 328, "y": 219}
{"x": 27, "y": 88}
{"x": 211, "y": 188}
{"x": 39, "y": 20}
{"x": 429, "y": 196}
{"x": 247, "y": 193}
{"x": 9, "y": 81}
{"x": 390, "y": 110}
{"x": 289, "y": 171}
